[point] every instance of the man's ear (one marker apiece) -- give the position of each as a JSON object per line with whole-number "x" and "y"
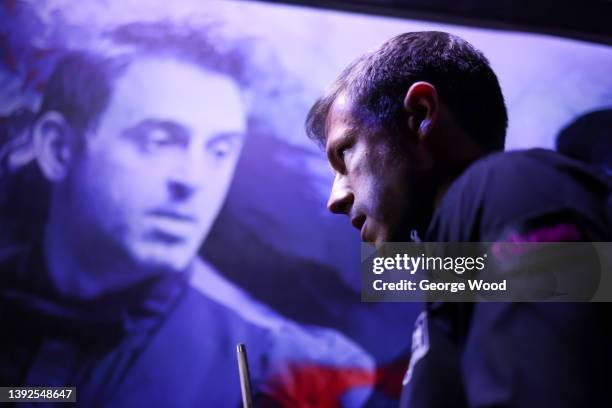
{"x": 421, "y": 106}
{"x": 53, "y": 145}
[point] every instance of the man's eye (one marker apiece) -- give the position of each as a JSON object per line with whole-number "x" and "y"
{"x": 220, "y": 148}
{"x": 158, "y": 138}
{"x": 343, "y": 151}
{"x": 151, "y": 136}
{"x": 161, "y": 140}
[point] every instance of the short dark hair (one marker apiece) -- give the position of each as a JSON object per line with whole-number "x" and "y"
{"x": 588, "y": 139}
{"x": 80, "y": 88}
{"x": 81, "y": 84}
{"x": 378, "y": 81}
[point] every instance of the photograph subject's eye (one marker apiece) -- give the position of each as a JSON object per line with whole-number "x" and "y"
{"x": 152, "y": 136}
{"x": 222, "y": 146}
{"x": 157, "y": 138}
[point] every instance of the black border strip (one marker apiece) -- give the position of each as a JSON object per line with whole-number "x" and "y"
{"x": 596, "y": 33}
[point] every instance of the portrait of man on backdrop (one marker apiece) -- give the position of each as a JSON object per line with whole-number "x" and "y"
{"x": 136, "y": 152}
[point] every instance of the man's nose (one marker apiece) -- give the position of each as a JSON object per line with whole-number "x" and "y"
{"x": 186, "y": 178}
{"x": 181, "y": 189}
{"x": 341, "y": 198}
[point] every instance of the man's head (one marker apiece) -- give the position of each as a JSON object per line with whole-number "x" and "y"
{"x": 399, "y": 123}
{"x": 140, "y": 151}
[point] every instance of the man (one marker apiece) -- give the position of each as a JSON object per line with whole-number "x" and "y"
{"x": 411, "y": 131}
{"x": 136, "y": 152}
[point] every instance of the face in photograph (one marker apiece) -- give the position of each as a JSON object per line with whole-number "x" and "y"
{"x": 151, "y": 179}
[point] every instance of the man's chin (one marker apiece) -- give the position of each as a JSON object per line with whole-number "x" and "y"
{"x": 377, "y": 239}
{"x": 156, "y": 255}
{"x": 157, "y": 266}
{"x": 164, "y": 260}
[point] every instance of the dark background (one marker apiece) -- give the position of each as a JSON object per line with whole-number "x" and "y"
{"x": 589, "y": 20}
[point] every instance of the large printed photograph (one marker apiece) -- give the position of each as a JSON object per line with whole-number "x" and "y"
{"x": 160, "y": 201}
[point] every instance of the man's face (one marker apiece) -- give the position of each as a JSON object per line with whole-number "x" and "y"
{"x": 374, "y": 179}
{"x": 151, "y": 179}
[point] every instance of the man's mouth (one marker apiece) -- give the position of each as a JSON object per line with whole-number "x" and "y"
{"x": 173, "y": 215}
{"x": 362, "y": 235}
{"x": 164, "y": 237}
{"x": 171, "y": 226}
{"x": 359, "y": 223}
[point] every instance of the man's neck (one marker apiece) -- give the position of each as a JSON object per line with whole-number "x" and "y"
{"x": 76, "y": 269}
{"x": 448, "y": 176}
